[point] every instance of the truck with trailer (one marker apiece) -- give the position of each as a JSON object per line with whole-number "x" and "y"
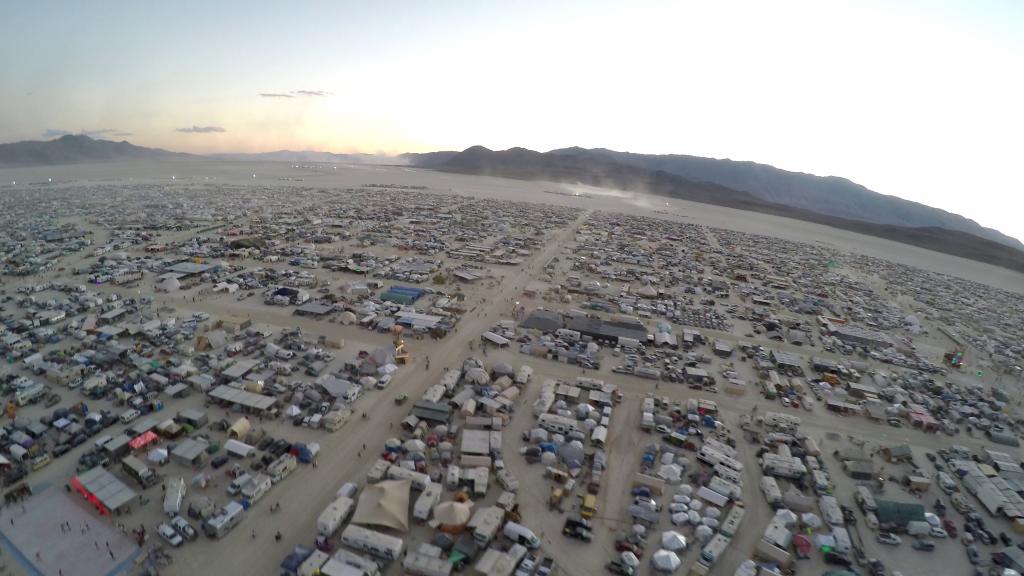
{"x": 139, "y": 471}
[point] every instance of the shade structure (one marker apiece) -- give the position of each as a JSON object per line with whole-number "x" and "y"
{"x": 665, "y": 561}
{"x": 384, "y": 504}
{"x": 347, "y": 318}
{"x": 292, "y": 411}
{"x": 453, "y": 516}
{"x": 143, "y": 440}
{"x": 672, "y": 540}
{"x": 240, "y": 428}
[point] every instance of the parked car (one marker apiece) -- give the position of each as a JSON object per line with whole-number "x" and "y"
{"x": 219, "y": 461}
{"x": 972, "y": 555}
{"x": 949, "y": 527}
{"x": 526, "y": 566}
{"x": 184, "y": 528}
{"x": 837, "y": 559}
{"x": 169, "y": 534}
{"x": 889, "y": 538}
{"x": 924, "y": 545}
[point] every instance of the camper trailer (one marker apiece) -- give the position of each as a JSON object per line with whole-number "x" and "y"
{"x": 558, "y": 424}
{"x": 224, "y": 521}
{"x": 373, "y": 542}
{"x": 336, "y": 514}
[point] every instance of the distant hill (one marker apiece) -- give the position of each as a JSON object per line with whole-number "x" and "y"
{"x": 594, "y": 170}
{"x": 75, "y": 149}
{"x": 825, "y": 194}
{"x": 427, "y": 159}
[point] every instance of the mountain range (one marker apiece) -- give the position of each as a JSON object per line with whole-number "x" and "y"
{"x": 832, "y": 201}
{"x": 76, "y": 149}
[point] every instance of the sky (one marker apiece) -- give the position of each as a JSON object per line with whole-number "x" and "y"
{"x": 920, "y": 100}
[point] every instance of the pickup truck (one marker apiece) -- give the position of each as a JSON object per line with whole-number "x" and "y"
{"x": 619, "y": 567}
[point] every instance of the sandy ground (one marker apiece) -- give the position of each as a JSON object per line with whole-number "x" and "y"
{"x": 91, "y": 545}
{"x": 304, "y": 494}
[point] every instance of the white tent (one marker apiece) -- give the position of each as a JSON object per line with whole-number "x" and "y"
{"x": 670, "y": 473}
{"x": 665, "y": 561}
{"x": 292, "y": 411}
{"x": 157, "y": 455}
{"x": 414, "y": 445}
{"x": 787, "y": 516}
{"x": 453, "y": 514}
{"x": 672, "y": 540}
{"x": 810, "y": 519}
{"x": 384, "y": 504}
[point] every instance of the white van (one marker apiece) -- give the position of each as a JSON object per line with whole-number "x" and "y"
{"x": 236, "y": 485}
{"x": 102, "y": 440}
{"x": 520, "y": 534}
{"x": 129, "y": 416}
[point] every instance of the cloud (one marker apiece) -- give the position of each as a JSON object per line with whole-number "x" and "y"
{"x": 294, "y": 93}
{"x": 54, "y": 133}
{"x": 201, "y": 130}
